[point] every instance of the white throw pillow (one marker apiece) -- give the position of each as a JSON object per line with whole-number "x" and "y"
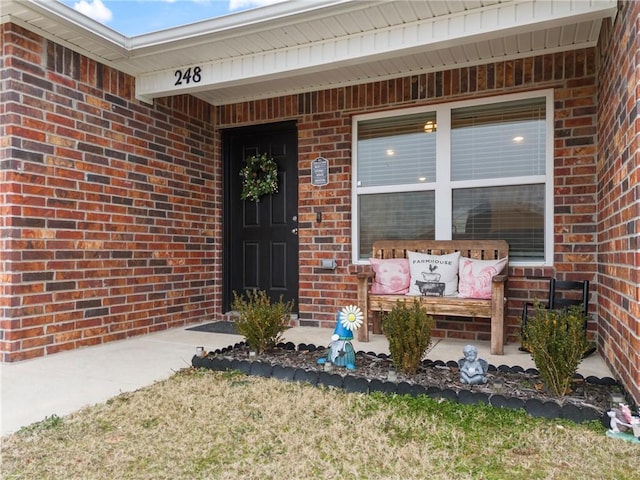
{"x": 433, "y": 275}
{"x": 476, "y": 276}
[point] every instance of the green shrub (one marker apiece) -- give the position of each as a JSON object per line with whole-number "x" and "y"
{"x": 408, "y": 330}
{"x": 557, "y": 342}
{"x": 260, "y": 321}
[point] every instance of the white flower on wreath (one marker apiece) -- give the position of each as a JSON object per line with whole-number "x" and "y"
{"x": 351, "y": 317}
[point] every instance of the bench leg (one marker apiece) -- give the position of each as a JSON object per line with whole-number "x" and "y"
{"x": 376, "y": 322}
{"x": 363, "y": 331}
{"x": 363, "y": 303}
{"x": 497, "y": 326}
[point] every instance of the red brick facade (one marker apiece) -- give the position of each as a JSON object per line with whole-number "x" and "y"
{"x": 325, "y": 130}
{"x": 110, "y": 208}
{"x": 111, "y": 222}
{"x": 618, "y": 172}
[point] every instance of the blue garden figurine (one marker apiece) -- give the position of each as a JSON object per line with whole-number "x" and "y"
{"x": 341, "y": 352}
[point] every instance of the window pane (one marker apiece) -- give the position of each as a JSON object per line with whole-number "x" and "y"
{"x": 498, "y": 140}
{"x": 389, "y": 216}
{"x": 397, "y": 150}
{"x": 514, "y": 213}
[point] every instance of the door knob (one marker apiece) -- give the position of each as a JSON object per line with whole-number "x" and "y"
{"x": 294, "y": 231}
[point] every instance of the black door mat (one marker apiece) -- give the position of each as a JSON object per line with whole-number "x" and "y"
{"x": 217, "y": 327}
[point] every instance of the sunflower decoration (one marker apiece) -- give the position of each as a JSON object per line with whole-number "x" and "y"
{"x": 351, "y": 317}
{"x": 259, "y": 177}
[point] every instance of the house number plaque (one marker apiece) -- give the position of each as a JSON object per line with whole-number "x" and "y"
{"x": 319, "y": 172}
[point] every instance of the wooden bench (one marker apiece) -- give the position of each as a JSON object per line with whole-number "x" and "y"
{"x": 451, "y": 305}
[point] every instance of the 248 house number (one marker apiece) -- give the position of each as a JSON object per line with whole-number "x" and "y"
{"x": 190, "y": 75}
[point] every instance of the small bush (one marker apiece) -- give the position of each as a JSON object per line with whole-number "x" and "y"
{"x": 260, "y": 321}
{"x": 557, "y": 342}
{"x": 408, "y": 330}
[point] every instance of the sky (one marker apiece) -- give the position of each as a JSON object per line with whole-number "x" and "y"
{"x": 135, "y": 17}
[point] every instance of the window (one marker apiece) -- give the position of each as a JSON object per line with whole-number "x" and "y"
{"x": 396, "y": 151}
{"x": 465, "y": 170}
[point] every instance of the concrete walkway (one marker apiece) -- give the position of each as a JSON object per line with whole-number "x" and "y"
{"x": 65, "y": 382}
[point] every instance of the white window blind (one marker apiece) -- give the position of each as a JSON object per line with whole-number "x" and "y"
{"x": 499, "y": 140}
{"x": 397, "y": 151}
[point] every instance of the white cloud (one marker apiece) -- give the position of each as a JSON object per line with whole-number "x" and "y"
{"x": 244, "y": 4}
{"x": 94, "y": 9}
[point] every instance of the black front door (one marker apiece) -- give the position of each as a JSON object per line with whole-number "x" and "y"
{"x": 261, "y": 238}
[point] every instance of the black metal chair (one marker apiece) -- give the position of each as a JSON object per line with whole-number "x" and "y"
{"x": 565, "y": 293}
{"x": 562, "y": 294}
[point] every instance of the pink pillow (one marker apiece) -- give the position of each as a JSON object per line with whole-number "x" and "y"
{"x": 476, "y": 275}
{"x": 392, "y": 276}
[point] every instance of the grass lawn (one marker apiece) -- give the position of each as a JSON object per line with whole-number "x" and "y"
{"x": 202, "y": 424}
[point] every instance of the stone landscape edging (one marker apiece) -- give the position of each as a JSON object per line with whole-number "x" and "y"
{"x": 353, "y": 383}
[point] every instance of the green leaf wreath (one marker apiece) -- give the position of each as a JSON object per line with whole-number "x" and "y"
{"x": 259, "y": 177}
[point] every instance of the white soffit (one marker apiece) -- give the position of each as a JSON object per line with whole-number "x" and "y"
{"x": 304, "y": 45}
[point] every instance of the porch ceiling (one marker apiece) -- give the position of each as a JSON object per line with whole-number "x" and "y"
{"x": 298, "y": 46}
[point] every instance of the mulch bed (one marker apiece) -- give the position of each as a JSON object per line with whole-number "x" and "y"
{"x": 510, "y": 387}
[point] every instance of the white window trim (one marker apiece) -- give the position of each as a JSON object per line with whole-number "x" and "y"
{"x": 443, "y": 223}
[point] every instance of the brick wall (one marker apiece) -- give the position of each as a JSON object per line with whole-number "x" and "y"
{"x": 112, "y": 213}
{"x": 618, "y": 171}
{"x": 110, "y": 221}
{"x": 324, "y": 126}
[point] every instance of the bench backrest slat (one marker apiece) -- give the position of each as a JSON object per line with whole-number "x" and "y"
{"x": 477, "y": 249}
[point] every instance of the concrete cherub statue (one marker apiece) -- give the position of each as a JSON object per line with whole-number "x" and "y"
{"x": 472, "y": 369}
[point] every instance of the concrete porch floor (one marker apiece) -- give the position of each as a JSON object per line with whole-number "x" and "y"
{"x": 65, "y": 382}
